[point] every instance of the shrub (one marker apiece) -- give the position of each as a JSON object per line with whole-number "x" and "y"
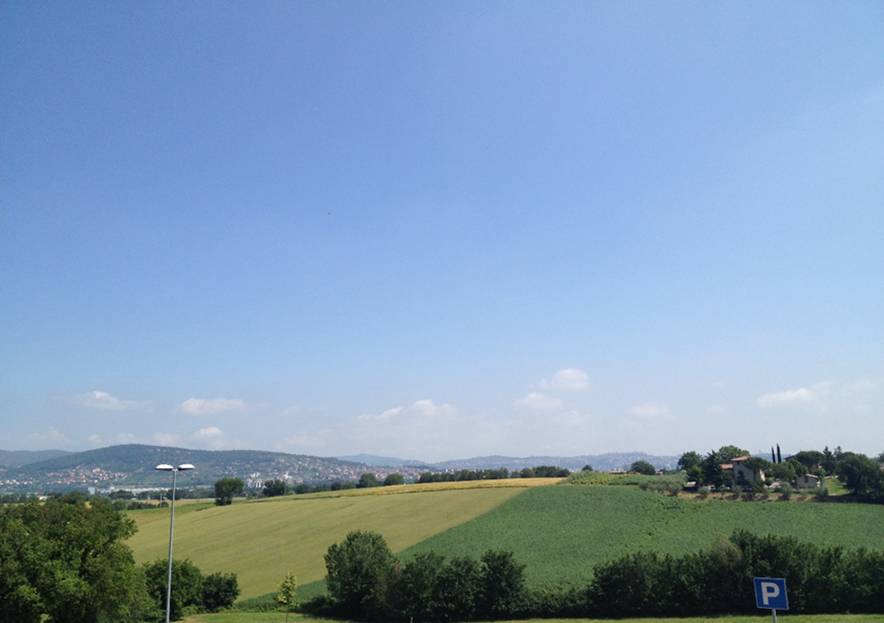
{"x": 394, "y": 479}
{"x": 456, "y": 593}
{"x": 502, "y": 582}
{"x": 703, "y": 492}
{"x": 822, "y": 493}
{"x": 187, "y": 585}
{"x": 786, "y": 492}
{"x": 220, "y": 590}
{"x": 360, "y": 570}
{"x": 226, "y": 489}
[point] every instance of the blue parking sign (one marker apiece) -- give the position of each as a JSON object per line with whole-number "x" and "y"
{"x": 770, "y": 594}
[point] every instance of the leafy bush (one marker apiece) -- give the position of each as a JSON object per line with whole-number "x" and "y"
{"x": 226, "y": 489}
{"x": 360, "y": 570}
{"x": 785, "y": 492}
{"x": 220, "y": 590}
{"x": 187, "y": 585}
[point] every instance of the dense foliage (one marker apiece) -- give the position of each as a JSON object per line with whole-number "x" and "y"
{"x": 66, "y": 559}
{"x": 226, "y": 488}
{"x": 714, "y": 581}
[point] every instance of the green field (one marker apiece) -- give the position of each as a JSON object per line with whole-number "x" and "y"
{"x": 562, "y": 532}
{"x": 261, "y": 541}
{"x": 278, "y": 617}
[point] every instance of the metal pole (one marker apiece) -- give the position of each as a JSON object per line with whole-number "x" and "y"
{"x": 773, "y": 613}
{"x": 171, "y": 532}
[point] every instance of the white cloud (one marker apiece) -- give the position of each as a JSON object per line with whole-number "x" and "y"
{"x": 209, "y": 432}
{"x": 536, "y": 401}
{"x": 800, "y": 396}
{"x": 421, "y": 409}
{"x": 97, "y": 399}
{"x": 211, "y": 406}
{"x": 567, "y": 379}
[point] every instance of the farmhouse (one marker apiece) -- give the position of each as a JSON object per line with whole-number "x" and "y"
{"x": 743, "y": 473}
{"x": 807, "y": 481}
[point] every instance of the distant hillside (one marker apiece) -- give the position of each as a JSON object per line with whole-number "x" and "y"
{"x": 17, "y": 458}
{"x": 599, "y": 462}
{"x": 383, "y": 461}
{"x": 133, "y": 466}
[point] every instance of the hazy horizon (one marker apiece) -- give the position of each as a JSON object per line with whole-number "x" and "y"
{"x": 442, "y": 230}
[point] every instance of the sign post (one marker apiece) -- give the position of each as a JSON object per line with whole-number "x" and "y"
{"x": 770, "y": 594}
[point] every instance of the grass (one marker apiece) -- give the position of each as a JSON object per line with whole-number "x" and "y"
{"x": 561, "y": 533}
{"x": 261, "y": 541}
{"x": 278, "y": 617}
{"x": 605, "y": 478}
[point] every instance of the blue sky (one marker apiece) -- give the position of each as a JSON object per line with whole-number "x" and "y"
{"x": 442, "y": 229}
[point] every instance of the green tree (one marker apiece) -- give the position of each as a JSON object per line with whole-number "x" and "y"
{"x": 712, "y": 473}
{"x": 456, "y": 593}
{"x": 394, "y": 479}
{"x": 860, "y": 474}
{"x": 220, "y": 590}
{"x": 689, "y": 460}
{"x": 643, "y": 467}
{"x": 412, "y": 593}
{"x": 586, "y": 468}
{"x": 187, "y": 585}
{"x": 360, "y": 569}
{"x": 367, "y": 481}
{"x": 287, "y": 595}
{"x": 66, "y": 559}
{"x": 728, "y": 453}
{"x": 273, "y": 488}
{"x": 502, "y": 583}
{"x": 226, "y": 488}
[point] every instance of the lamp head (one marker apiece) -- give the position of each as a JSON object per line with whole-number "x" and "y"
{"x": 184, "y": 467}
{"x": 164, "y": 467}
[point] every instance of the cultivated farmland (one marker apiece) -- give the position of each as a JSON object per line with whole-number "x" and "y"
{"x": 562, "y": 532}
{"x": 261, "y": 541}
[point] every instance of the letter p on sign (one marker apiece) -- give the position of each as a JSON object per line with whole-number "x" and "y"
{"x": 770, "y": 594}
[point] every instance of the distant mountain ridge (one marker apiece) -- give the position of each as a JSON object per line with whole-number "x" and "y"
{"x": 599, "y": 462}
{"x": 133, "y": 466}
{"x": 375, "y": 460}
{"x": 17, "y": 458}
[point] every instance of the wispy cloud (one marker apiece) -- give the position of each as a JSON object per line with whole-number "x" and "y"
{"x": 51, "y": 435}
{"x": 421, "y": 409}
{"x": 102, "y": 400}
{"x": 209, "y": 432}
{"x": 799, "y": 396}
{"x": 537, "y": 401}
{"x": 211, "y": 406}
{"x": 567, "y": 379}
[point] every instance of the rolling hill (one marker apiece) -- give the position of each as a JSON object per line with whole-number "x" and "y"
{"x": 561, "y": 532}
{"x": 18, "y": 458}
{"x": 262, "y": 540}
{"x": 133, "y": 466}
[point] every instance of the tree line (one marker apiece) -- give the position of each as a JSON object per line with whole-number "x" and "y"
{"x": 366, "y": 582}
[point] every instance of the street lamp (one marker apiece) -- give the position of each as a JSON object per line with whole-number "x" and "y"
{"x": 169, "y": 468}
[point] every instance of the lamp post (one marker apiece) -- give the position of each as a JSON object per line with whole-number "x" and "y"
{"x": 169, "y": 468}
